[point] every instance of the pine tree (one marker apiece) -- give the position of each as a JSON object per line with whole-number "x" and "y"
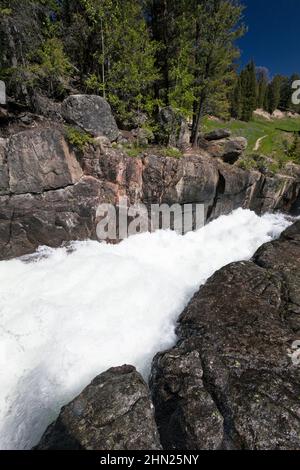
{"x": 110, "y": 44}
{"x": 237, "y": 100}
{"x": 274, "y": 90}
{"x": 249, "y": 91}
{"x": 216, "y": 29}
{"x": 262, "y": 86}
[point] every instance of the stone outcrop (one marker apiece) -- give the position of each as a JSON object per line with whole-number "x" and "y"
{"x": 49, "y": 191}
{"x": 219, "y": 144}
{"x": 188, "y": 417}
{"x": 233, "y": 360}
{"x": 40, "y": 160}
{"x": 92, "y": 114}
{"x": 217, "y": 134}
{"x": 114, "y": 412}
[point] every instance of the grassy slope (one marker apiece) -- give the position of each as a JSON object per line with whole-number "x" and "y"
{"x": 272, "y": 145}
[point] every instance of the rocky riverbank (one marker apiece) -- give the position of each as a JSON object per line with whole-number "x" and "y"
{"x": 50, "y": 190}
{"x": 231, "y": 382}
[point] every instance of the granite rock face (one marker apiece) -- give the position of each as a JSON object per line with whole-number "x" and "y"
{"x": 40, "y": 160}
{"x": 114, "y": 412}
{"x": 242, "y": 340}
{"x": 50, "y": 192}
{"x": 92, "y": 114}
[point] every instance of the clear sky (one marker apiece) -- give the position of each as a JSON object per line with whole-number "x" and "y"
{"x": 273, "y": 39}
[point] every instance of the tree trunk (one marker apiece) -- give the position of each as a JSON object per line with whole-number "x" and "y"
{"x": 103, "y": 60}
{"x": 197, "y": 120}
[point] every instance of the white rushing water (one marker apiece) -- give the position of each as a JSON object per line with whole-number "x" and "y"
{"x": 66, "y": 317}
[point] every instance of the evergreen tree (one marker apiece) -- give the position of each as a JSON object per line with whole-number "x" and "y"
{"x": 216, "y": 27}
{"x": 237, "y": 100}
{"x": 273, "y": 94}
{"x": 262, "y": 86}
{"x": 116, "y": 57}
{"x": 249, "y": 91}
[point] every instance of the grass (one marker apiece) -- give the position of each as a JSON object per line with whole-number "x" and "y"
{"x": 277, "y": 133}
{"x": 136, "y": 151}
{"x": 170, "y": 152}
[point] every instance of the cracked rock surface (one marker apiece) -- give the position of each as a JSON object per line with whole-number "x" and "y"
{"x": 230, "y": 383}
{"x": 50, "y": 191}
{"x": 114, "y": 412}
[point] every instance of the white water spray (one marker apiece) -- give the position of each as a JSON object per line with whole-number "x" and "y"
{"x": 66, "y": 317}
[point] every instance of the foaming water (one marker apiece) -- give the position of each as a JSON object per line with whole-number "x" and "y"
{"x": 67, "y": 316}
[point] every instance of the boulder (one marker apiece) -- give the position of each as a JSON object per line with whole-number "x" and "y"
{"x": 187, "y": 415}
{"x": 92, "y": 114}
{"x": 114, "y": 412}
{"x": 243, "y": 339}
{"x": 51, "y": 218}
{"x": 47, "y": 107}
{"x": 40, "y": 160}
{"x": 217, "y": 134}
{"x": 229, "y": 149}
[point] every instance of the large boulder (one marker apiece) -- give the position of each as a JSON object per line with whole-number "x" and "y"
{"x": 217, "y": 134}
{"x": 187, "y": 415}
{"x": 40, "y": 160}
{"x": 92, "y": 114}
{"x": 51, "y": 218}
{"x": 228, "y": 149}
{"x": 114, "y": 412}
{"x": 243, "y": 339}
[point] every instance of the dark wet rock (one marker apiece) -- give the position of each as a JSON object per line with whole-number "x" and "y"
{"x": 187, "y": 415}
{"x": 92, "y": 114}
{"x": 114, "y": 412}
{"x": 243, "y": 339}
{"x": 217, "y": 134}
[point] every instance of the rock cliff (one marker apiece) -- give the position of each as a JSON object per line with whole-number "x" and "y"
{"x": 50, "y": 191}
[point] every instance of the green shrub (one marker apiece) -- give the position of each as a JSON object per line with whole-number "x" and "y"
{"x": 171, "y": 152}
{"x": 294, "y": 150}
{"x": 78, "y": 138}
{"x": 135, "y": 151}
{"x": 52, "y": 68}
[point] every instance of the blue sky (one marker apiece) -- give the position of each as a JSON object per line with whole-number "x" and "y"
{"x": 273, "y": 36}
